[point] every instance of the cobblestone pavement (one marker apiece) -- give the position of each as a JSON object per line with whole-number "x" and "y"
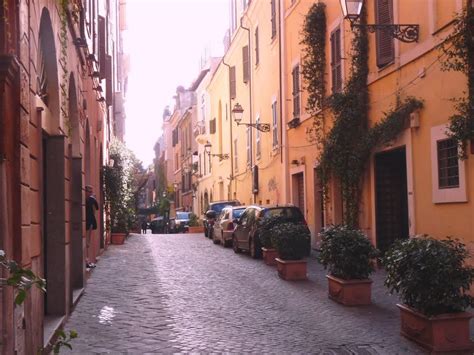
{"x": 180, "y": 293}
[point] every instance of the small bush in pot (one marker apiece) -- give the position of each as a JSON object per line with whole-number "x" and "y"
{"x": 290, "y": 240}
{"x": 193, "y": 220}
{"x": 347, "y": 253}
{"x": 265, "y": 226}
{"x": 433, "y": 280}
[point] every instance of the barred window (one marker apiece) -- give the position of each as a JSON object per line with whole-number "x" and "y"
{"x": 448, "y": 165}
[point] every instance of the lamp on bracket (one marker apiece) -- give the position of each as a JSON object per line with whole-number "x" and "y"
{"x": 352, "y": 9}
{"x": 207, "y": 150}
{"x": 238, "y": 112}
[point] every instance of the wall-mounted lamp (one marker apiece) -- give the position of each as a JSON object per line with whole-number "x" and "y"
{"x": 238, "y": 112}
{"x": 101, "y": 99}
{"x": 98, "y": 88}
{"x": 403, "y": 32}
{"x": 95, "y": 74}
{"x": 207, "y": 149}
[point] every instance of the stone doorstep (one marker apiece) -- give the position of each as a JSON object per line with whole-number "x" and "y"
{"x": 50, "y": 325}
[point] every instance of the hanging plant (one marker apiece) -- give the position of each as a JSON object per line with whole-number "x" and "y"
{"x": 459, "y": 50}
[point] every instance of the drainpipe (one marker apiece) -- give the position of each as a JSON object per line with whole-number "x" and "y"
{"x": 283, "y": 131}
{"x": 250, "y": 104}
{"x": 231, "y": 136}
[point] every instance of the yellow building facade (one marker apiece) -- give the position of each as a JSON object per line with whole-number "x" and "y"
{"x": 413, "y": 185}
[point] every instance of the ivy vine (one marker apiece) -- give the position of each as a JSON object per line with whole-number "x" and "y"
{"x": 63, "y": 38}
{"x": 347, "y": 146}
{"x": 459, "y": 50}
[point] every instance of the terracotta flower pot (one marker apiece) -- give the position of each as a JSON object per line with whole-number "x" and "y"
{"x": 196, "y": 229}
{"x": 118, "y": 238}
{"x": 292, "y": 269}
{"x": 350, "y": 292}
{"x": 269, "y": 256}
{"x": 445, "y": 332}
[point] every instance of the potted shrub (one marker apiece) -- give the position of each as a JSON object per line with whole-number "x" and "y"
{"x": 194, "y": 224}
{"x": 433, "y": 280}
{"x": 265, "y": 226}
{"x": 291, "y": 241}
{"x": 348, "y": 255}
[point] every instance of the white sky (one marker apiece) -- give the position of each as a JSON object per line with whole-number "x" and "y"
{"x": 165, "y": 39}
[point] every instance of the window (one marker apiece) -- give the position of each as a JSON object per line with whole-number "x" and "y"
{"x": 249, "y": 137}
{"x": 275, "y": 124}
{"x": 257, "y": 58}
{"x": 102, "y": 47}
{"x": 336, "y": 63}
{"x": 296, "y": 91}
{"x": 212, "y": 126}
{"x": 384, "y": 41}
{"x": 448, "y": 167}
{"x": 236, "y": 160}
{"x": 233, "y": 89}
{"x": 273, "y": 17}
{"x": 245, "y": 64}
{"x": 175, "y": 137}
{"x": 258, "y": 141}
{"x": 233, "y": 15}
{"x": 203, "y": 112}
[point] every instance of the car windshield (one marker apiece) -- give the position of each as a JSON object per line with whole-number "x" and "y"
{"x": 238, "y": 213}
{"x": 292, "y": 213}
{"x": 218, "y": 207}
{"x": 182, "y": 215}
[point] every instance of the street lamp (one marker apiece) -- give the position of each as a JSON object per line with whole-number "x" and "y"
{"x": 238, "y": 112}
{"x": 207, "y": 150}
{"x": 352, "y": 9}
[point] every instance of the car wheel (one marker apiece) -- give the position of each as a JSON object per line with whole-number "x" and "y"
{"x": 223, "y": 241}
{"x": 206, "y": 233}
{"x": 235, "y": 245}
{"x": 214, "y": 239}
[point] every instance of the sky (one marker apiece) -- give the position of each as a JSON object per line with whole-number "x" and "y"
{"x": 166, "y": 40}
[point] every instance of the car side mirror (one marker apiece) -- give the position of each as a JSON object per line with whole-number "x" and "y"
{"x": 211, "y": 214}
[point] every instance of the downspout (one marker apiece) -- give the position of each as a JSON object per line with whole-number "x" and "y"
{"x": 250, "y": 104}
{"x": 231, "y": 177}
{"x": 283, "y": 131}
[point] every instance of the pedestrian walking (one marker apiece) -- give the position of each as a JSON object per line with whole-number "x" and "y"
{"x": 144, "y": 227}
{"x": 91, "y": 222}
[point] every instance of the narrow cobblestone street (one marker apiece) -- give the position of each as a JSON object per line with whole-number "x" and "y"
{"x": 181, "y": 293}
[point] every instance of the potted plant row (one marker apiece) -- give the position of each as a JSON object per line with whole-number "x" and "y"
{"x": 194, "y": 224}
{"x": 269, "y": 253}
{"x": 349, "y": 256}
{"x": 433, "y": 280}
{"x": 290, "y": 241}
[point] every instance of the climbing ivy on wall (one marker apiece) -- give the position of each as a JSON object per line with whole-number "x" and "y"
{"x": 459, "y": 50}
{"x": 63, "y": 38}
{"x": 346, "y": 148}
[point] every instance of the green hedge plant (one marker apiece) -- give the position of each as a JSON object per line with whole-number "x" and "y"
{"x": 265, "y": 226}
{"x": 430, "y": 275}
{"x": 347, "y": 253}
{"x": 290, "y": 240}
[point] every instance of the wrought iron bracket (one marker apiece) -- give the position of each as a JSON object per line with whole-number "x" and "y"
{"x": 407, "y": 33}
{"x": 263, "y": 127}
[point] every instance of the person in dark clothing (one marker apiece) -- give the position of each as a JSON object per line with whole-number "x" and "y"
{"x": 91, "y": 222}
{"x": 144, "y": 226}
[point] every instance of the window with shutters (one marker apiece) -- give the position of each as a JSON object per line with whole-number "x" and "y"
{"x": 336, "y": 62}
{"x": 273, "y": 17}
{"x": 384, "y": 41}
{"x": 174, "y": 137}
{"x": 108, "y": 81}
{"x": 258, "y": 140}
{"x": 257, "y": 54}
{"x": 249, "y": 137}
{"x": 232, "y": 83}
{"x": 236, "y": 151}
{"x": 274, "y": 124}
{"x": 102, "y": 47}
{"x": 212, "y": 126}
{"x": 245, "y": 64}
{"x": 296, "y": 92}
{"x": 448, "y": 166}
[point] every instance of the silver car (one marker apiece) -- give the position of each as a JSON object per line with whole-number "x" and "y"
{"x": 225, "y": 223}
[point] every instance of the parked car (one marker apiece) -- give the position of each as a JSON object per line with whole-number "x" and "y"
{"x": 159, "y": 225}
{"x": 245, "y": 236}
{"x": 225, "y": 223}
{"x": 213, "y": 210}
{"x": 181, "y": 222}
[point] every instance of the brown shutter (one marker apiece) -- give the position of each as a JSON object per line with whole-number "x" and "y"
{"x": 245, "y": 63}
{"x": 212, "y": 126}
{"x": 102, "y": 48}
{"x": 296, "y": 92}
{"x": 336, "y": 62}
{"x": 108, "y": 81}
{"x": 257, "y": 58}
{"x": 232, "y": 83}
{"x": 273, "y": 9}
{"x": 384, "y": 41}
